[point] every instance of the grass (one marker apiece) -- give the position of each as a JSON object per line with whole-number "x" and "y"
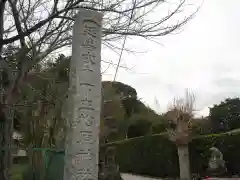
{"x": 17, "y": 171}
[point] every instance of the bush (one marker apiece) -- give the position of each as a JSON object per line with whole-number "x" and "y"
{"x": 158, "y": 128}
{"x": 141, "y": 127}
{"x": 157, "y": 156}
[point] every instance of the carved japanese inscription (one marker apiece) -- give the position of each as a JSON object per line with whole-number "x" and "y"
{"x": 81, "y": 156}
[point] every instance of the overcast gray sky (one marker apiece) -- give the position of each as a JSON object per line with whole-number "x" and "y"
{"x": 203, "y": 57}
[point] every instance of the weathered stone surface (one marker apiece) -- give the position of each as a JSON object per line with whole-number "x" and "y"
{"x": 82, "y": 144}
{"x": 216, "y": 164}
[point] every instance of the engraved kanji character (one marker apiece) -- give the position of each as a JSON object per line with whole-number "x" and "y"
{"x": 87, "y": 171}
{"x": 87, "y": 119}
{"x": 90, "y": 29}
{"x": 84, "y": 137}
{"x": 87, "y": 103}
{"x": 87, "y": 136}
{"x": 90, "y": 43}
{"x": 87, "y": 66}
{"x": 89, "y": 57}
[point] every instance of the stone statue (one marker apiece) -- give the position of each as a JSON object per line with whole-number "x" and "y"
{"x": 216, "y": 164}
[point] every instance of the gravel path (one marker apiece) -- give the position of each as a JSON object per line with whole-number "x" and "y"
{"x": 134, "y": 177}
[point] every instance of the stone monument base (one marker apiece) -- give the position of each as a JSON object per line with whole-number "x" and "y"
{"x": 218, "y": 172}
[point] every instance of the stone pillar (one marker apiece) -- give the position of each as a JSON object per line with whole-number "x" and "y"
{"x": 82, "y": 138}
{"x": 109, "y": 168}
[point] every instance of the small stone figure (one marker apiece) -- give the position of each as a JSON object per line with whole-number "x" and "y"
{"x": 216, "y": 164}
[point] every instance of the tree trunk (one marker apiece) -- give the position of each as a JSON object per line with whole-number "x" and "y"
{"x": 2, "y": 119}
{"x": 183, "y": 155}
{"x": 6, "y": 129}
{"x": 2, "y": 142}
{"x": 110, "y": 169}
{"x": 2, "y": 8}
{"x": 8, "y": 141}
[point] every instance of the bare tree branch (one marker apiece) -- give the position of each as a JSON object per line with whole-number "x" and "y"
{"x": 116, "y": 14}
{"x": 40, "y": 24}
{"x": 44, "y": 26}
{"x": 2, "y": 9}
{"x": 17, "y": 21}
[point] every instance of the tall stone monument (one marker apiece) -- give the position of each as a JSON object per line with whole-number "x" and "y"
{"x": 82, "y": 141}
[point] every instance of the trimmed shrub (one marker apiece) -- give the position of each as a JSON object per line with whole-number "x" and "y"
{"x": 141, "y": 127}
{"x": 158, "y": 128}
{"x": 157, "y": 156}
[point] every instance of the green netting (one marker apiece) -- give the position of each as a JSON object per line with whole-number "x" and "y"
{"x": 53, "y": 166}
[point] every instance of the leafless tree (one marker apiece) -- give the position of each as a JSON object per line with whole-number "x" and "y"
{"x": 38, "y": 28}
{"x": 180, "y": 116}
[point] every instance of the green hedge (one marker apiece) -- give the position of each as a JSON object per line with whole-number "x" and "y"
{"x": 157, "y": 156}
